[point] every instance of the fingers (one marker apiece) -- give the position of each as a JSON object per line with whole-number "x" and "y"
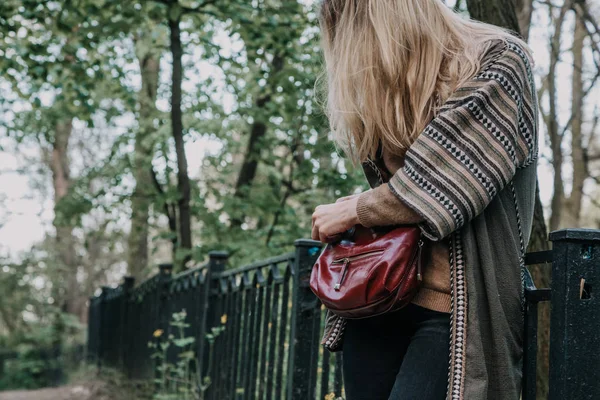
{"x": 324, "y": 234}
{"x": 315, "y": 227}
{"x": 315, "y": 233}
{"x": 318, "y": 231}
{"x": 333, "y": 238}
{"x": 326, "y": 226}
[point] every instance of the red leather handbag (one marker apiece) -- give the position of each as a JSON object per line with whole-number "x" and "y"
{"x": 370, "y": 271}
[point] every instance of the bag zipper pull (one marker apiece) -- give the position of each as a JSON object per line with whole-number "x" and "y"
{"x": 419, "y": 260}
{"x": 344, "y": 269}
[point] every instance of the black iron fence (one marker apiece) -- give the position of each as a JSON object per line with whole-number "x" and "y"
{"x": 270, "y": 346}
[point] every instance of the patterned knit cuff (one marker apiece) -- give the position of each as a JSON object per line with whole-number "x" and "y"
{"x": 364, "y": 209}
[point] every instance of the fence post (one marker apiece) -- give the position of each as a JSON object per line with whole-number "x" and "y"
{"x": 575, "y": 316}
{"x": 210, "y": 312}
{"x": 164, "y": 273}
{"x": 102, "y": 325}
{"x": 128, "y": 283}
{"x": 92, "y": 325}
{"x": 305, "y": 325}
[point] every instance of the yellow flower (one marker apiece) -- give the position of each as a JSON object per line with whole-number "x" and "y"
{"x": 224, "y": 319}
{"x": 157, "y": 333}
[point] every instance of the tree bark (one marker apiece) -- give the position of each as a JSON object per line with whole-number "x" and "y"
{"x": 65, "y": 243}
{"x": 573, "y": 203}
{"x": 496, "y": 12}
{"x": 141, "y": 201}
{"x": 183, "y": 180}
{"x": 524, "y": 14}
{"x": 552, "y": 121}
{"x": 258, "y": 130}
{"x": 251, "y": 158}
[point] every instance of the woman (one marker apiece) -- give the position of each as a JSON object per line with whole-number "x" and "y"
{"x": 441, "y": 112}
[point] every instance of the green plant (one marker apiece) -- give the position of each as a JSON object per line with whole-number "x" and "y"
{"x": 183, "y": 379}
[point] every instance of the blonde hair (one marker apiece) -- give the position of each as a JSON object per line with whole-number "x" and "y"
{"x": 390, "y": 64}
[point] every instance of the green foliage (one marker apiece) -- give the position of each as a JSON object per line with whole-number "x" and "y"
{"x": 28, "y": 370}
{"x": 36, "y": 358}
{"x": 249, "y": 66}
{"x": 181, "y": 380}
{"x": 254, "y": 64}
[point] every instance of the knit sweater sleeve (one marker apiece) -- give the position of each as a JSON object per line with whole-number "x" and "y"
{"x": 380, "y": 207}
{"x": 473, "y": 147}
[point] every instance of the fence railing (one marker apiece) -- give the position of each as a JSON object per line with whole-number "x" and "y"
{"x": 270, "y": 347}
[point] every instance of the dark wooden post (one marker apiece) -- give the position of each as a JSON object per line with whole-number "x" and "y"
{"x": 102, "y": 325}
{"x": 211, "y": 312}
{"x": 128, "y": 283}
{"x": 575, "y": 318}
{"x": 92, "y": 339}
{"x": 305, "y": 325}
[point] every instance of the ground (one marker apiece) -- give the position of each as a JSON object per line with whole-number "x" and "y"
{"x": 83, "y": 391}
{"x": 63, "y": 393}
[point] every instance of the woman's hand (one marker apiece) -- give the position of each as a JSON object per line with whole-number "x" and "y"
{"x": 330, "y": 220}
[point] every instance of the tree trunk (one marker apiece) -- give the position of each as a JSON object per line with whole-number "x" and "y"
{"x": 524, "y": 14}
{"x": 572, "y": 213}
{"x": 258, "y": 130}
{"x": 497, "y": 12}
{"x": 183, "y": 180}
{"x": 552, "y": 122}
{"x": 65, "y": 243}
{"x": 141, "y": 201}
{"x": 247, "y": 173}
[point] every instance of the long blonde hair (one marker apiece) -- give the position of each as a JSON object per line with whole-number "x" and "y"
{"x": 390, "y": 63}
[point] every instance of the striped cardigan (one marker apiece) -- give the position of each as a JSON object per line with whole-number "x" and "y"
{"x": 468, "y": 174}
{"x": 471, "y": 150}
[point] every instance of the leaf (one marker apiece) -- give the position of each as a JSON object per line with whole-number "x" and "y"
{"x": 189, "y": 355}
{"x": 184, "y": 341}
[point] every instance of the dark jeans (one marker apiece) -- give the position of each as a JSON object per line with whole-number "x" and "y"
{"x": 402, "y": 355}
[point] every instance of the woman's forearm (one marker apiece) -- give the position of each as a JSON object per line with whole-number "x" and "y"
{"x": 380, "y": 207}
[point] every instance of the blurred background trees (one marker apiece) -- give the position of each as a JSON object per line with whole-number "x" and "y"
{"x": 156, "y": 131}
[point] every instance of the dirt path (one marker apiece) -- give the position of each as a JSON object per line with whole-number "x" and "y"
{"x": 75, "y": 392}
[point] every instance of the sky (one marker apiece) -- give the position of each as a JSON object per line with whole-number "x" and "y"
{"x": 26, "y": 214}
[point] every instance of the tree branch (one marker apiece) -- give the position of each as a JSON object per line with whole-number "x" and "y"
{"x": 169, "y": 210}
{"x": 582, "y": 12}
{"x": 585, "y": 93}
